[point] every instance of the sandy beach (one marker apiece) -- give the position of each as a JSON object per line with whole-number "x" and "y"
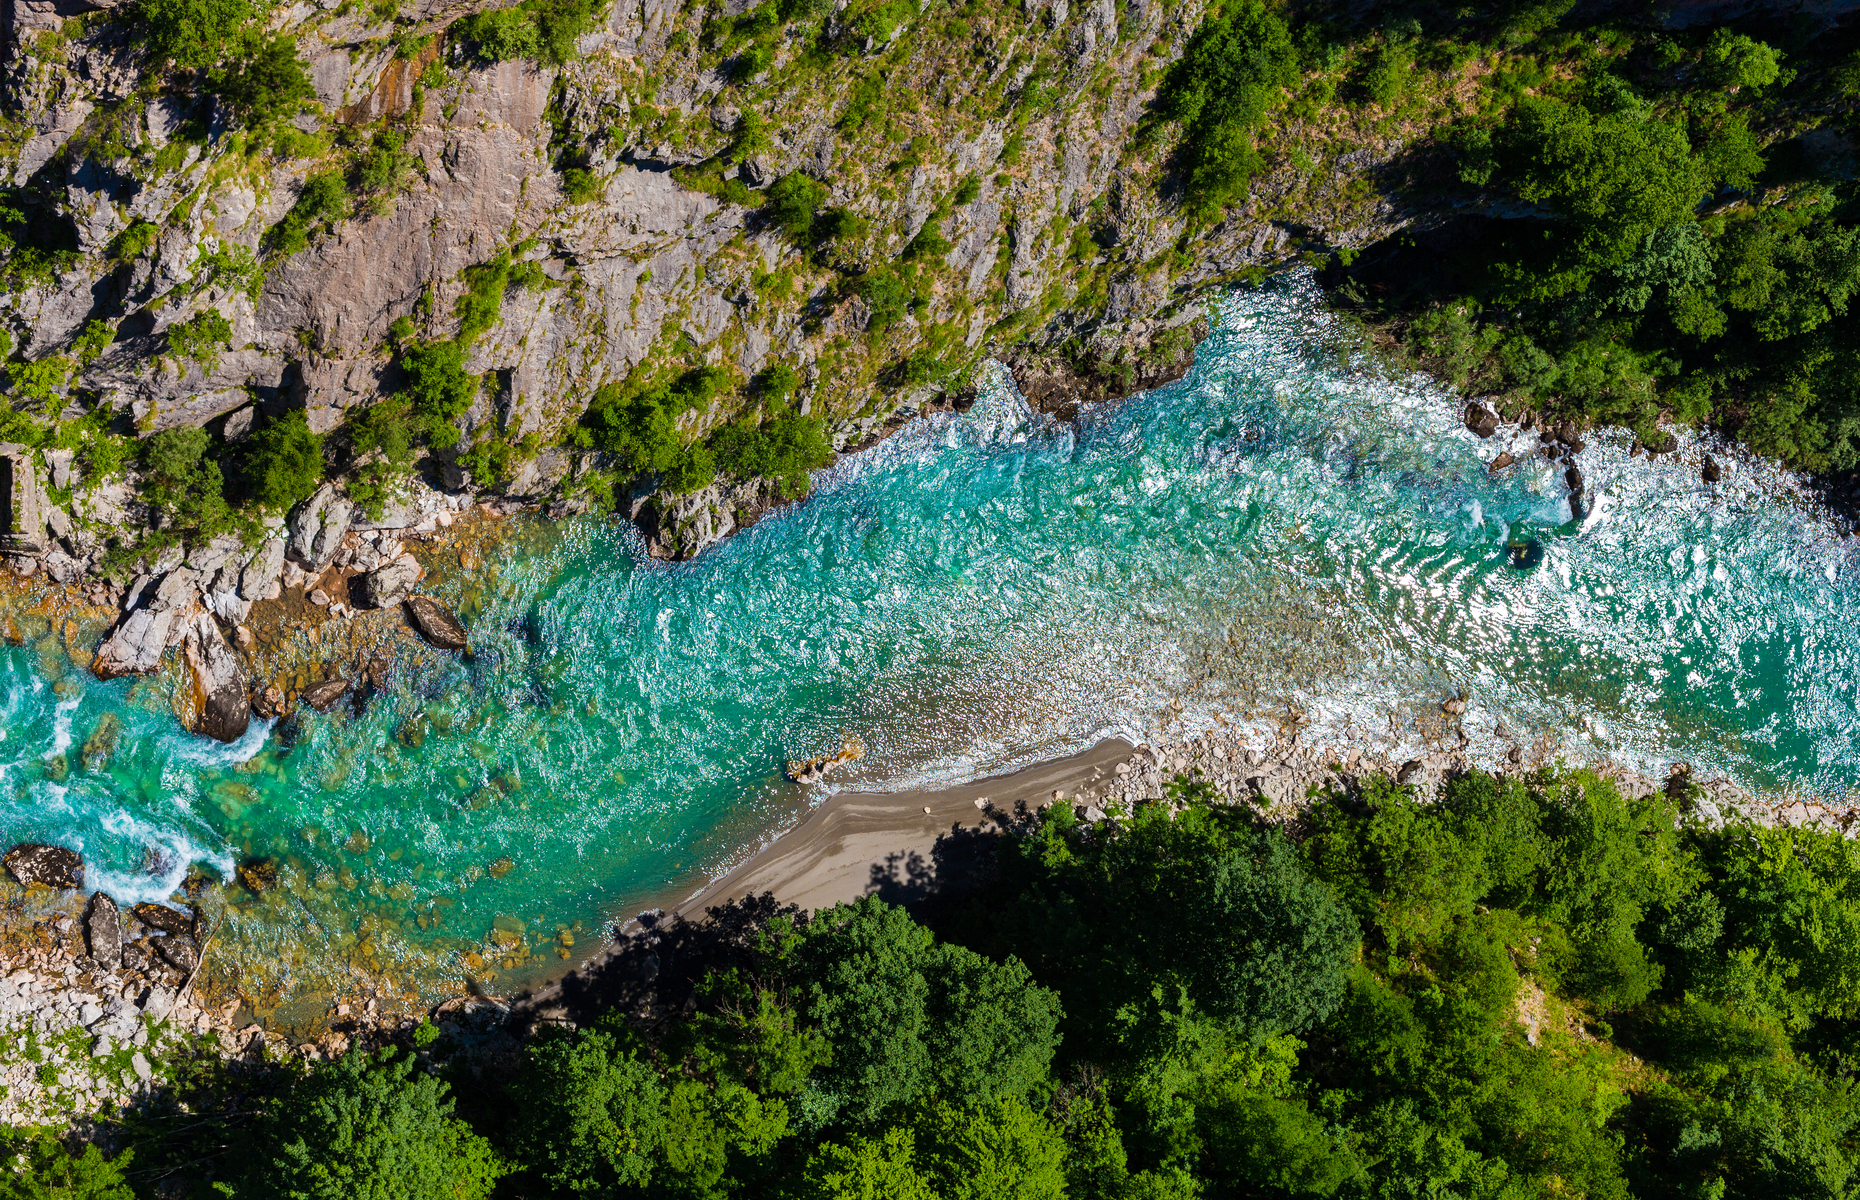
{"x": 885, "y": 842}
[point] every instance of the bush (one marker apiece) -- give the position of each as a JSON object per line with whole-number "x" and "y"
{"x": 1731, "y": 60}
{"x": 201, "y": 338}
{"x": 323, "y": 202}
{"x": 286, "y": 462}
{"x": 184, "y": 485}
{"x": 887, "y": 299}
{"x": 785, "y": 449}
{"x": 381, "y": 171}
{"x": 1385, "y": 80}
{"x": 439, "y": 388}
{"x": 791, "y": 203}
{"x": 638, "y": 424}
{"x": 39, "y": 1168}
{"x": 194, "y": 33}
{"x": 1235, "y": 71}
{"x": 134, "y": 241}
{"x": 384, "y": 436}
{"x": 581, "y": 185}
{"x": 268, "y": 80}
{"x": 544, "y": 30}
{"x": 367, "y": 1126}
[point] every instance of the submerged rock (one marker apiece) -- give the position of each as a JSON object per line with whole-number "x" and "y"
{"x": 53, "y": 866}
{"x": 391, "y": 582}
{"x": 435, "y": 622}
{"x": 222, "y": 698}
{"x": 1711, "y": 472}
{"x": 103, "y": 931}
{"x": 101, "y": 744}
{"x": 1500, "y": 463}
{"x": 259, "y": 875}
{"x": 813, "y": 770}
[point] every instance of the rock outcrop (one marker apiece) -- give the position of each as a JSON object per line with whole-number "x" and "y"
{"x": 316, "y": 527}
{"x": 323, "y": 696}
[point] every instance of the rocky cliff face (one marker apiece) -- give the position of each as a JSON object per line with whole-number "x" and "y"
{"x": 625, "y": 189}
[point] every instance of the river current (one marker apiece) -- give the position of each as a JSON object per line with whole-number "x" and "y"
{"x": 1289, "y": 535}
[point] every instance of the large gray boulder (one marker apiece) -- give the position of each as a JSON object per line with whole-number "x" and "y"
{"x": 262, "y": 570}
{"x": 135, "y": 646}
{"x": 317, "y": 526}
{"x": 391, "y": 582}
{"x": 222, "y": 699}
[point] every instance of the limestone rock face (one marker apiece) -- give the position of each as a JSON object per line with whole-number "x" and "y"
{"x": 103, "y": 931}
{"x": 222, "y": 703}
{"x": 391, "y": 582}
{"x": 435, "y": 622}
{"x": 53, "y": 866}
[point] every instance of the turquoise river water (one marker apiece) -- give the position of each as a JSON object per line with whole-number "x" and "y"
{"x": 1289, "y": 529}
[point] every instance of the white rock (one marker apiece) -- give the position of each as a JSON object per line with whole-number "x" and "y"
{"x": 89, "y": 1015}
{"x": 102, "y": 1047}
{"x": 143, "y": 1071}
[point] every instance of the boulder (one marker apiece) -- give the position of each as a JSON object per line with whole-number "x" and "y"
{"x": 435, "y": 622}
{"x": 1710, "y": 472}
{"x": 179, "y": 952}
{"x": 1500, "y": 463}
{"x": 103, "y": 931}
{"x": 135, "y": 646}
{"x": 1481, "y": 420}
{"x": 391, "y": 582}
{"x": 261, "y": 570}
{"x": 1279, "y": 785}
{"x": 1572, "y": 478}
{"x": 222, "y": 698}
{"x": 323, "y": 696}
{"x": 317, "y": 526}
{"x": 168, "y": 920}
{"x": 53, "y": 866}
{"x": 1412, "y": 771}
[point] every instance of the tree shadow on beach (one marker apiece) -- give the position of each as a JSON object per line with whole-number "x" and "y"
{"x": 652, "y": 970}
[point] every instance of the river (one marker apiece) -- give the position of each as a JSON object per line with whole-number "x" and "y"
{"x": 1290, "y": 534}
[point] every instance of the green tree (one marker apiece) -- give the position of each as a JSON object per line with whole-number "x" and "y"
{"x": 867, "y": 1169}
{"x": 592, "y": 1118}
{"x": 194, "y": 33}
{"x": 791, "y": 203}
{"x": 1731, "y": 60}
{"x": 373, "y": 1128}
{"x": 998, "y": 1151}
{"x": 184, "y": 484}
{"x": 266, "y": 81}
{"x": 286, "y": 462}
{"x": 202, "y": 338}
{"x": 909, "y": 1017}
{"x": 1235, "y": 71}
{"x": 323, "y": 202}
{"x": 440, "y": 388}
{"x": 40, "y": 1168}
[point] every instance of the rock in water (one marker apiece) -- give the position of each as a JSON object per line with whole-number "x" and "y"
{"x": 168, "y": 920}
{"x": 222, "y": 699}
{"x": 391, "y": 582}
{"x": 53, "y": 866}
{"x": 323, "y": 696}
{"x": 1711, "y": 473}
{"x": 1500, "y": 463}
{"x": 436, "y": 624}
{"x": 103, "y": 931}
{"x": 1481, "y": 420}
{"x": 259, "y": 875}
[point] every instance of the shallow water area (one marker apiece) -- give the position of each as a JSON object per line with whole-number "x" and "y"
{"x": 1289, "y": 539}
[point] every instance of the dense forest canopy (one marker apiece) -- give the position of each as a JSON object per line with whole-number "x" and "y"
{"x": 1533, "y": 985}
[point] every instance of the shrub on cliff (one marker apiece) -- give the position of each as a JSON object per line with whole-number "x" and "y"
{"x": 285, "y": 463}
{"x": 544, "y": 30}
{"x": 372, "y": 1126}
{"x": 184, "y": 485}
{"x": 267, "y": 80}
{"x": 195, "y": 33}
{"x": 792, "y": 202}
{"x": 638, "y": 424}
{"x": 201, "y": 338}
{"x": 784, "y": 448}
{"x": 1235, "y": 71}
{"x": 38, "y": 1167}
{"x": 323, "y": 202}
{"x": 440, "y": 388}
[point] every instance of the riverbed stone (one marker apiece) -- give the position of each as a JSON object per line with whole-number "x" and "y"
{"x": 160, "y": 916}
{"x": 53, "y": 866}
{"x": 435, "y": 622}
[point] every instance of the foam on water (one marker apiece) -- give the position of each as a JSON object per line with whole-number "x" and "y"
{"x": 1288, "y": 536}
